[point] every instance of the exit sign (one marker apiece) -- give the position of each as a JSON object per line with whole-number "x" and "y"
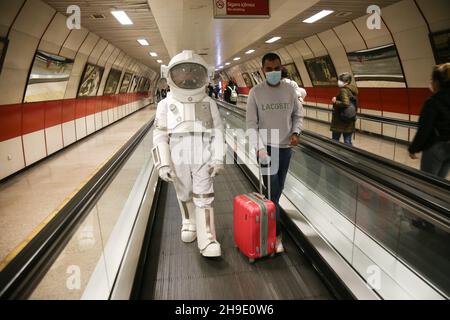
{"x": 241, "y": 9}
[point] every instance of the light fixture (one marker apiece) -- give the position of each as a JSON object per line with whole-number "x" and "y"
{"x": 318, "y": 16}
{"x": 221, "y": 67}
{"x": 143, "y": 42}
{"x": 250, "y": 51}
{"x": 153, "y": 54}
{"x": 122, "y": 17}
{"x": 159, "y": 61}
{"x": 272, "y": 40}
{"x": 236, "y": 59}
{"x": 227, "y": 63}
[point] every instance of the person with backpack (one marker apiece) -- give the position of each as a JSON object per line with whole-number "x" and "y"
{"x": 344, "y": 109}
{"x": 231, "y": 93}
{"x": 433, "y": 135}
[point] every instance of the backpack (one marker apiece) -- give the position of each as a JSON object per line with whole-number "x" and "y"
{"x": 349, "y": 113}
{"x": 234, "y": 95}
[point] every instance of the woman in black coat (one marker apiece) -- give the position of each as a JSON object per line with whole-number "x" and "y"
{"x": 433, "y": 134}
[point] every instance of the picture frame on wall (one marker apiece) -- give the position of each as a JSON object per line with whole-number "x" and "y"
{"x": 440, "y": 42}
{"x": 90, "y": 80}
{"x": 125, "y": 82}
{"x": 48, "y": 78}
{"x": 293, "y": 73}
{"x": 257, "y": 77}
{"x": 377, "y": 67}
{"x": 3, "y": 48}
{"x": 112, "y": 82}
{"x": 247, "y": 80}
{"x": 321, "y": 71}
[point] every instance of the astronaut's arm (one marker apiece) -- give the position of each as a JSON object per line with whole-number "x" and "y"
{"x": 161, "y": 151}
{"x": 218, "y": 141}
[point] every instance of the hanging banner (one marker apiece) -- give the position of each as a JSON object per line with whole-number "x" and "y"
{"x": 241, "y": 9}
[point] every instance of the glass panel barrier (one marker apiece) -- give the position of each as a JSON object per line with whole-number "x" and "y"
{"x": 88, "y": 265}
{"x": 399, "y": 254}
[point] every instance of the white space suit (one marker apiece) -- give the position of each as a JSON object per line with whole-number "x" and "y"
{"x": 189, "y": 146}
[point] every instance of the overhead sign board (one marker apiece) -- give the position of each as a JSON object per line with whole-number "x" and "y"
{"x": 241, "y": 9}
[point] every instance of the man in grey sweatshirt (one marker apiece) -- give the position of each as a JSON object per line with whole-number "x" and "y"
{"x": 274, "y": 123}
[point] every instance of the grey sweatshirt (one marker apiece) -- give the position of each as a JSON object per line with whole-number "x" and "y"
{"x": 273, "y": 108}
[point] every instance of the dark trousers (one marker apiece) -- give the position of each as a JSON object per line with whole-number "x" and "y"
{"x": 436, "y": 159}
{"x": 280, "y": 159}
{"x": 347, "y": 137}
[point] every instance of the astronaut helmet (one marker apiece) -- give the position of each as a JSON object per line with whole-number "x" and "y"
{"x": 187, "y": 74}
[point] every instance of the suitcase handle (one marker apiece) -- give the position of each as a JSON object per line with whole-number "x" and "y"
{"x": 259, "y": 195}
{"x": 261, "y": 181}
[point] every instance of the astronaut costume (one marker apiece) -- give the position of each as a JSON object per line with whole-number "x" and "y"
{"x": 189, "y": 146}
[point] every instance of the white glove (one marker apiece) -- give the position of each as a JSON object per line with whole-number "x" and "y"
{"x": 216, "y": 167}
{"x": 166, "y": 173}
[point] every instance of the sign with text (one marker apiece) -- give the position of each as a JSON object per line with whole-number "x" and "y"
{"x": 241, "y": 9}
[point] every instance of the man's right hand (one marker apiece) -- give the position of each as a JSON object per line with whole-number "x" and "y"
{"x": 166, "y": 173}
{"x": 263, "y": 156}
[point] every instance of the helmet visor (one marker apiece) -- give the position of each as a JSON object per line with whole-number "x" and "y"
{"x": 189, "y": 75}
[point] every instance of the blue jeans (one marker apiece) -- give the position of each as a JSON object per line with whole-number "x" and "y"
{"x": 436, "y": 159}
{"x": 347, "y": 137}
{"x": 280, "y": 163}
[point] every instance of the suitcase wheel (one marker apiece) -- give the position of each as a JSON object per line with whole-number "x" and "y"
{"x": 251, "y": 260}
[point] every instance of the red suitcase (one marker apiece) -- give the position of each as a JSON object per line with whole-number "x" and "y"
{"x": 254, "y": 225}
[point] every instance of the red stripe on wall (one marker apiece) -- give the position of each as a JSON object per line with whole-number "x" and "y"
{"x": 53, "y": 113}
{"x": 417, "y": 97}
{"x": 10, "y": 121}
{"x": 80, "y": 108}
{"x": 33, "y": 117}
{"x": 23, "y": 118}
{"x": 68, "y": 110}
{"x": 394, "y": 100}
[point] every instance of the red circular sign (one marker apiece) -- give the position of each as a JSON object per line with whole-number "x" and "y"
{"x": 220, "y": 4}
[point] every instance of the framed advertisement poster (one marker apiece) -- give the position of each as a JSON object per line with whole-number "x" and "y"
{"x": 293, "y": 73}
{"x": 48, "y": 78}
{"x": 90, "y": 80}
{"x": 247, "y": 80}
{"x": 256, "y": 75}
{"x": 112, "y": 82}
{"x": 3, "y": 47}
{"x": 125, "y": 83}
{"x": 377, "y": 67}
{"x": 321, "y": 71}
{"x": 440, "y": 42}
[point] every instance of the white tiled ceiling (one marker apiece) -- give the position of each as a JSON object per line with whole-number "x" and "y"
{"x": 173, "y": 25}
{"x": 122, "y": 36}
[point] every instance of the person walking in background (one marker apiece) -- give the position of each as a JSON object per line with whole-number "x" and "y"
{"x": 216, "y": 91}
{"x": 433, "y": 135}
{"x": 210, "y": 90}
{"x": 273, "y": 108}
{"x": 341, "y": 124}
{"x": 301, "y": 92}
{"x": 231, "y": 94}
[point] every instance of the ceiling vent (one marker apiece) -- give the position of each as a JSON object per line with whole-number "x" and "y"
{"x": 97, "y": 16}
{"x": 343, "y": 14}
{"x": 202, "y": 54}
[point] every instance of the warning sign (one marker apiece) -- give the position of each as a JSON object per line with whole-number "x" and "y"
{"x": 241, "y": 9}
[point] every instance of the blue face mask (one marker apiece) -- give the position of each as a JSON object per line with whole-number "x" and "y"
{"x": 273, "y": 77}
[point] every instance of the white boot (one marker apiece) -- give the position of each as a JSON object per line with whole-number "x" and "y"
{"x": 279, "y": 245}
{"x": 206, "y": 233}
{"x": 188, "y": 228}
